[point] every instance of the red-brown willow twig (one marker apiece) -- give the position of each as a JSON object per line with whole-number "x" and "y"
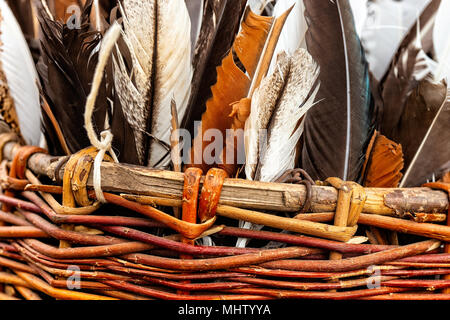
{"x": 22, "y": 232}
{"x": 88, "y": 252}
{"x": 14, "y": 265}
{"x": 42, "y": 286}
{"x": 221, "y": 262}
{"x": 302, "y": 240}
{"x": 282, "y": 273}
{"x": 304, "y": 286}
{"x": 416, "y": 273}
{"x": 37, "y": 205}
{"x": 187, "y": 286}
{"x": 91, "y": 263}
{"x": 67, "y": 235}
{"x": 355, "y": 262}
{"x": 417, "y": 283}
{"x": 410, "y": 296}
{"x": 177, "y": 246}
{"x": 290, "y": 294}
{"x": 173, "y": 296}
{"x": 178, "y": 276}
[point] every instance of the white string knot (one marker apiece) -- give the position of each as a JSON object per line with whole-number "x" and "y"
{"x": 106, "y": 136}
{"x": 103, "y": 145}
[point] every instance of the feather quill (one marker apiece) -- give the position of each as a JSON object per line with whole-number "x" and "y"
{"x": 19, "y": 77}
{"x": 161, "y": 69}
{"x": 338, "y": 129}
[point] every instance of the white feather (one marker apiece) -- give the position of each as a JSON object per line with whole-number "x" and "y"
{"x": 387, "y": 23}
{"x": 285, "y": 126}
{"x": 441, "y": 41}
{"x": 172, "y": 70}
{"x": 359, "y": 9}
{"x": 21, "y": 76}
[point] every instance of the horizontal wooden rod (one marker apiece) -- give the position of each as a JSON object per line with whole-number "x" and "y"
{"x": 124, "y": 178}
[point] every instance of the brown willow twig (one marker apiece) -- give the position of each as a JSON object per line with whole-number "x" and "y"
{"x": 290, "y": 294}
{"x": 39, "y": 206}
{"x": 173, "y": 296}
{"x": 42, "y": 286}
{"x": 355, "y": 262}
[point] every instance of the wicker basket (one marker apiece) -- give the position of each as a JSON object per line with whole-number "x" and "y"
{"x": 59, "y": 241}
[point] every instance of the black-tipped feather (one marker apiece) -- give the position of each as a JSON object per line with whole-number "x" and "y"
{"x": 66, "y": 68}
{"x": 338, "y": 128}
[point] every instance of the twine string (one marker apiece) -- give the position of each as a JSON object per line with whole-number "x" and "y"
{"x": 106, "y": 137}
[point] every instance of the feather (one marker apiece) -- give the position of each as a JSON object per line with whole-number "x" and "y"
{"x": 98, "y": 17}
{"x": 233, "y": 152}
{"x": 278, "y": 107}
{"x": 338, "y": 129}
{"x": 161, "y": 68}
{"x": 285, "y": 126}
{"x": 66, "y": 67}
{"x": 384, "y": 162}
{"x": 214, "y": 41}
{"x": 387, "y": 23}
{"x": 195, "y": 9}
{"x": 258, "y": 6}
{"x": 418, "y": 113}
{"x": 293, "y": 34}
{"x": 62, "y": 10}
{"x": 441, "y": 41}
{"x": 433, "y": 151}
{"x": 360, "y": 12}
{"x": 232, "y": 85}
{"x": 397, "y": 109}
{"x": 263, "y": 104}
{"x": 19, "y": 80}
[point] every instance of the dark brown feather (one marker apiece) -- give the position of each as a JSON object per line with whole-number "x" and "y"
{"x": 66, "y": 70}
{"x": 337, "y": 129}
{"x": 399, "y": 80}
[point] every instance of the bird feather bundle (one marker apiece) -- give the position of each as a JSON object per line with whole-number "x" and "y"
{"x": 66, "y": 67}
{"x": 387, "y": 22}
{"x": 338, "y": 129}
{"x": 18, "y": 79}
{"x": 161, "y": 69}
